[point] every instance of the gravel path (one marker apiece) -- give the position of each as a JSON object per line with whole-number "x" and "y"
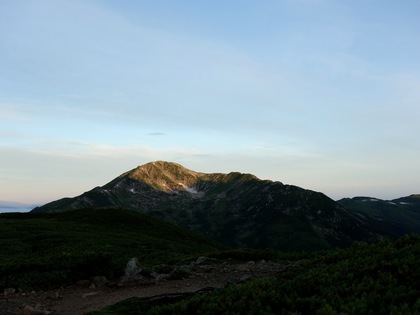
{"x": 81, "y": 298}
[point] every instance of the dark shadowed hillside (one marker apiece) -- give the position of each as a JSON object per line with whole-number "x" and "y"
{"x": 43, "y": 250}
{"x": 398, "y": 217}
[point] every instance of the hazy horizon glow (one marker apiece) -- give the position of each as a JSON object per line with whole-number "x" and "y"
{"x": 320, "y": 94}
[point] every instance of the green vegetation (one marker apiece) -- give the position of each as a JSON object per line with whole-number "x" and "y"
{"x": 363, "y": 279}
{"x": 46, "y": 250}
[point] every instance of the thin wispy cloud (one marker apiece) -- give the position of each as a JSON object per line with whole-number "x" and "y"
{"x": 312, "y": 92}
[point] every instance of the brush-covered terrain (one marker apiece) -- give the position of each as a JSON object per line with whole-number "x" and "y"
{"x": 46, "y": 250}
{"x": 363, "y": 279}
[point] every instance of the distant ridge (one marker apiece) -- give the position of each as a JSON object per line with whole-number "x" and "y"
{"x": 398, "y": 216}
{"x": 236, "y": 209}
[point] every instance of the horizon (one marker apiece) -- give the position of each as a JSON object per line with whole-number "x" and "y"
{"x": 13, "y": 206}
{"x": 319, "y": 94}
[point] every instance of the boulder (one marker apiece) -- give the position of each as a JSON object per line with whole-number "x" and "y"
{"x": 132, "y": 268}
{"x": 99, "y": 281}
{"x": 132, "y": 275}
{"x": 247, "y": 267}
{"x": 201, "y": 260}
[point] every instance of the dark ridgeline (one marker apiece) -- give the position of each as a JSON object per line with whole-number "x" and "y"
{"x": 235, "y": 209}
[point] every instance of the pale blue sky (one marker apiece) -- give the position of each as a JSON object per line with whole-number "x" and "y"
{"x": 323, "y": 94}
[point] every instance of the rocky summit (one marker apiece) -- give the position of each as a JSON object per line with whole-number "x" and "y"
{"x": 236, "y": 209}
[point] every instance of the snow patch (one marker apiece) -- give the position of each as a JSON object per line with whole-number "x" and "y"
{"x": 369, "y": 199}
{"x": 189, "y": 189}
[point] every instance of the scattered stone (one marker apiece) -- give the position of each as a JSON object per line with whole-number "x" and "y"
{"x": 207, "y": 273}
{"x": 159, "y": 276}
{"x": 246, "y": 267}
{"x": 54, "y": 296}
{"x": 132, "y": 275}
{"x": 243, "y": 268}
{"x": 9, "y": 291}
{"x": 200, "y": 260}
{"x": 262, "y": 263}
{"x": 92, "y": 286}
{"x": 180, "y": 272}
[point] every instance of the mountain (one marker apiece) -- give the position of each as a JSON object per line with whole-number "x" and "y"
{"x": 398, "y": 216}
{"x": 236, "y": 209}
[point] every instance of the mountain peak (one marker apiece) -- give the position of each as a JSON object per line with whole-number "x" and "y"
{"x": 165, "y": 176}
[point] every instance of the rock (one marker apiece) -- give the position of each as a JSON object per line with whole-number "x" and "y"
{"x": 246, "y": 267}
{"x": 180, "y": 272}
{"x": 92, "y": 286}
{"x": 133, "y": 276}
{"x": 9, "y": 291}
{"x": 200, "y": 260}
{"x": 99, "y": 281}
{"x": 262, "y": 263}
{"x": 54, "y": 295}
{"x": 243, "y": 268}
{"x": 159, "y": 276}
{"x": 132, "y": 268}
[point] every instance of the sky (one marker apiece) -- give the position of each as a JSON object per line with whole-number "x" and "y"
{"x": 322, "y": 94}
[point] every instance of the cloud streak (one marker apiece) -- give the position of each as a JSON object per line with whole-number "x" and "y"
{"x": 317, "y": 93}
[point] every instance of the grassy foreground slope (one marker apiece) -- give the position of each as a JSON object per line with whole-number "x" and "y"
{"x": 363, "y": 279}
{"x": 43, "y": 250}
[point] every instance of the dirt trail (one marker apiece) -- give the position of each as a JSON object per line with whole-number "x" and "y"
{"x": 80, "y": 299}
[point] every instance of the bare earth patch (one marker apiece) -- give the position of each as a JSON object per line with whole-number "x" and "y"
{"x": 84, "y": 297}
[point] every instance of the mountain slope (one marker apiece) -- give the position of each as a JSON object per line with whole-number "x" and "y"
{"x": 41, "y": 250}
{"x": 236, "y": 209}
{"x": 398, "y": 216}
